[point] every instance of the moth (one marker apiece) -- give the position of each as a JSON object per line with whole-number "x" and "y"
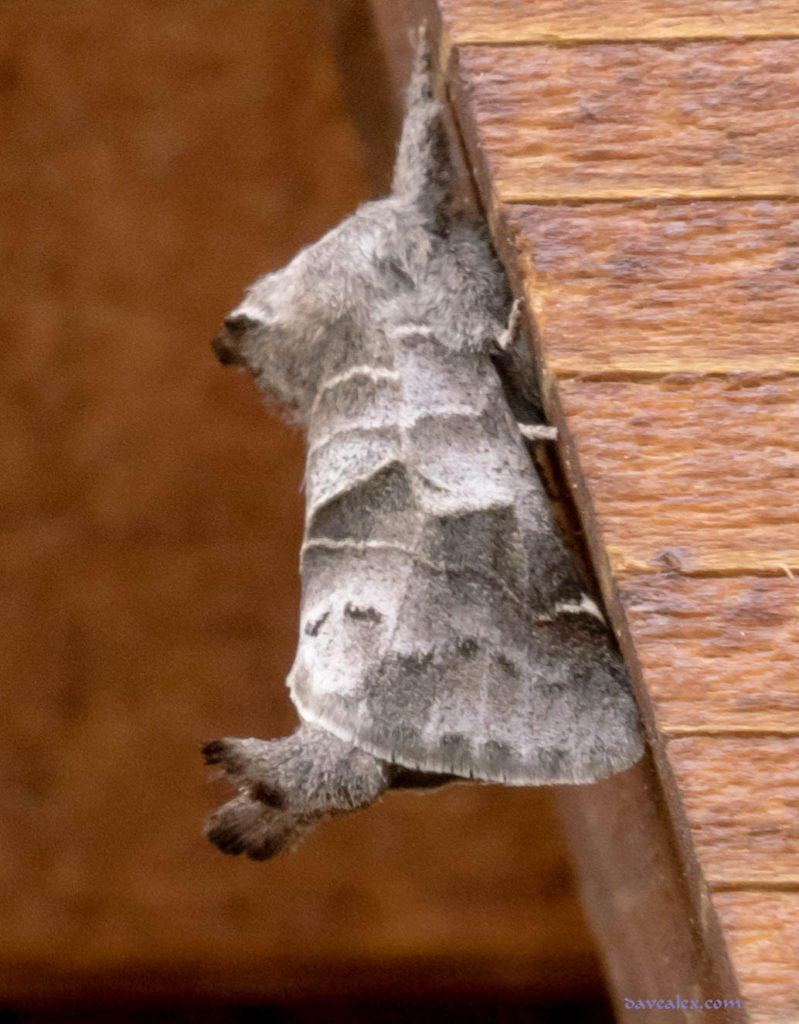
{"x": 444, "y": 629}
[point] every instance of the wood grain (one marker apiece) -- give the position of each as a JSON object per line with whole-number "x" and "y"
{"x": 717, "y": 655}
{"x": 515, "y": 21}
{"x": 691, "y": 474}
{"x": 741, "y": 798}
{"x": 658, "y": 249}
{"x": 627, "y": 120}
{"x": 652, "y": 288}
{"x": 762, "y": 930}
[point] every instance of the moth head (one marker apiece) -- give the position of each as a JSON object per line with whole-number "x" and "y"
{"x": 270, "y": 334}
{"x": 329, "y": 297}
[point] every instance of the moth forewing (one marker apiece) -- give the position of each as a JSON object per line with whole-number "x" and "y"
{"x": 445, "y": 628}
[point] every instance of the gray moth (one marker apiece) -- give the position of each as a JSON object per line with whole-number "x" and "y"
{"x": 444, "y": 629}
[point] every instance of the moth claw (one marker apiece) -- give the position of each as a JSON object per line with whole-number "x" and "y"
{"x": 245, "y": 826}
{"x": 510, "y": 337}
{"x": 538, "y": 431}
{"x": 224, "y": 752}
{"x": 269, "y": 795}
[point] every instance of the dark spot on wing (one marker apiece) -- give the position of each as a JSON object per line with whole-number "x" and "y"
{"x": 416, "y": 661}
{"x": 468, "y": 647}
{"x": 368, "y": 614}
{"x": 499, "y": 757}
{"x": 507, "y": 665}
{"x": 312, "y": 628}
{"x": 456, "y": 747}
{"x": 553, "y": 761}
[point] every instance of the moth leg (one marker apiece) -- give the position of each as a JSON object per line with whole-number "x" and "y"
{"x": 514, "y": 364}
{"x": 245, "y": 825}
{"x": 287, "y": 785}
{"x": 538, "y": 431}
{"x": 513, "y": 336}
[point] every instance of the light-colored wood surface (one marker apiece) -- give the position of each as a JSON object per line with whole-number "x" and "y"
{"x": 646, "y": 288}
{"x": 762, "y": 931}
{"x": 641, "y": 198}
{"x": 690, "y": 474}
{"x": 627, "y": 120}
{"x": 741, "y": 799}
{"x": 718, "y": 655}
{"x": 518, "y": 21}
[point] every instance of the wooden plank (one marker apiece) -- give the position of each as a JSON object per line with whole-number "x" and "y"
{"x": 650, "y": 288}
{"x": 717, "y": 655}
{"x": 683, "y": 475}
{"x": 741, "y": 798}
{"x": 641, "y": 897}
{"x": 762, "y": 930}
{"x": 626, "y": 120}
{"x": 514, "y": 21}
{"x": 691, "y": 474}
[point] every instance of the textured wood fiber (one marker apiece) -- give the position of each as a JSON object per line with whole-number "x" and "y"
{"x": 741, "y": 798}
{"x": 762, "y": 931}
{"x": 717, "y": 655}
{"x": 157, "y": 157}
{"x": 685, "y": 474}
{"x": 653, "y": 288}
{"x": 616, "y": 121}
{"x": 517, "y": 21}
{"x": 695, "y": 474}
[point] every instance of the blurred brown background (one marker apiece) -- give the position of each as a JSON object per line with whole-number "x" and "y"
{"x": 156, "y": 157}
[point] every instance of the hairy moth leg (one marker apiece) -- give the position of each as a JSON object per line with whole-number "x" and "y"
{"x": 287, "y": 785}
{"x": 538, "y": 431}
{"x": 513, "y": 334}
{"x": 513, "y": 362}
{"x": 246, "y": 825}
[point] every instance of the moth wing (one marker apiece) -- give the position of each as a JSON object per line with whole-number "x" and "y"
{"x": 441, "y": 624}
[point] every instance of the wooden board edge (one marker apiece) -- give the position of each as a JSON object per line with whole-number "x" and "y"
{"x": 666, "y": 830}
{"x": 655, "y": 925}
